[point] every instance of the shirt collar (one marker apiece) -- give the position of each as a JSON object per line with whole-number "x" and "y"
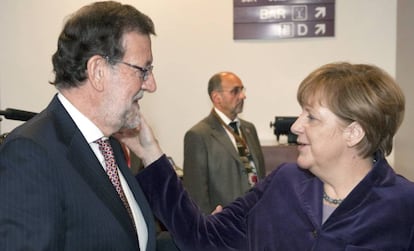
{"x": 88, "y": 129}
{"x": 225, "y": 118}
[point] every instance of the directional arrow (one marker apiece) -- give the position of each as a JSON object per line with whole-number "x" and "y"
{"x": 320, "y": 12}
{"x": 320, "y": 29}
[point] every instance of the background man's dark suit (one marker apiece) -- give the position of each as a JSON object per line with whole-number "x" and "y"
{"x": 214, "y": 173}
{"x": 55, "y": 166}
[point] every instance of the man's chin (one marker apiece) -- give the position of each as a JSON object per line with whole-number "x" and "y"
{"x": 132, "y": 121}
{"x": 132, "y": 124}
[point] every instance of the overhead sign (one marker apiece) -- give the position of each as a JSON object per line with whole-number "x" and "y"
{"x": 279, "y": 19}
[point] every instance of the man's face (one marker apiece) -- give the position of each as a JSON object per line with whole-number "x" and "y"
{"x": 231, "y": 97}
{"x": 126, "y": 85}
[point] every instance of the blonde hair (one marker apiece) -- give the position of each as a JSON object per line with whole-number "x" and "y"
{"x": 362, "y": 93}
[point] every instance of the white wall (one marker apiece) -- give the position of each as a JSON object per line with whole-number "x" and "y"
{"x": 194, "y": 41}
{"x": 404, "y": 139}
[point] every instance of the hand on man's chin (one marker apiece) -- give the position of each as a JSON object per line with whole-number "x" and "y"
{"x": 127, "y": 133}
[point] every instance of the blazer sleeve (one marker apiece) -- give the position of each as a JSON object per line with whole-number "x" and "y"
{"x": 28, "y": 199}
{"x": 196, "y": 176}
{"x": 191, "y": 229}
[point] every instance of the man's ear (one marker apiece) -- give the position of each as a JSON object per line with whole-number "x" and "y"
{"x": 96, "y": 67}
{"x": 215, "y": 97}
{"x": 354, "y": 133}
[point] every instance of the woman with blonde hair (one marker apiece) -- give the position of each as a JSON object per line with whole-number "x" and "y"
{"x": 340, "y": 195}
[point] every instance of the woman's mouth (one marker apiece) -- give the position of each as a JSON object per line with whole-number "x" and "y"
{"x": 301, "y": 145}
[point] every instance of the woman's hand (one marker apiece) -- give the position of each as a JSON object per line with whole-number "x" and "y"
{"x": 218, "y": 209}
{"x": 141, "y": 141}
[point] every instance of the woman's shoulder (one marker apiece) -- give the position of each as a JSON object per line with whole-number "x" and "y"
{"x": 290, "y": 168}
{"x": 404, "y": 186}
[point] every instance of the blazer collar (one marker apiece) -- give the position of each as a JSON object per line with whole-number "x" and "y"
{"x": 137, "y": 192}
{"x": 87, "y": 165}
{"x": 219, "y": 133}
{"x": 311, "y": 189}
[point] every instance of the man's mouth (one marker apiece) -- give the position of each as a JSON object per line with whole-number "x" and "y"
{"x": 135, "y": 102}
{"x": 137, "y": 97}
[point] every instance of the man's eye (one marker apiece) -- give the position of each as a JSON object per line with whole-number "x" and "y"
{"x": 237, "y": 90}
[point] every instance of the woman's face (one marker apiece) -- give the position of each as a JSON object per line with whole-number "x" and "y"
{"x": 321, "y": 139}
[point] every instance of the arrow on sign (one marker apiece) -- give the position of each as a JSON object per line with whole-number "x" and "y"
{"x": 320, "y": 29}
{"x": 320, "y": 12}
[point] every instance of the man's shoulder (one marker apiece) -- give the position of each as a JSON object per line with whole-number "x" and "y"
{"x": 244, "y": 122}
{"x": 42, "y": 128}
{"x": 205, "y": 124}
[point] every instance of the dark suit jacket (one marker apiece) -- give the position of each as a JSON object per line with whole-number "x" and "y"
{"x": 213, "y": 171}
{"x": 284, "y": 212}
{"x": 55, "y": 195}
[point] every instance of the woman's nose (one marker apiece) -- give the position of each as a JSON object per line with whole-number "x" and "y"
{"x": 296, "y": 127}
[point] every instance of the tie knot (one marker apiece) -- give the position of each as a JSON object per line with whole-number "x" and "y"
{"x": 234, "y": 126}
{"x": 105, "y": 147}
{"x": 102, "y": 142}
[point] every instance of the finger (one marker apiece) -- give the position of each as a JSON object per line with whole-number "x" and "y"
{"x": 218, "y": 209}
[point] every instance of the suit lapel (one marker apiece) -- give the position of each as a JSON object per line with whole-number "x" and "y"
{"x": 219, "y": 133}
{"x": 87, "y": 165}
{"x": 137, "y": 192}
{"x": 248, "y": 137}
{"x": 310, "y": 199}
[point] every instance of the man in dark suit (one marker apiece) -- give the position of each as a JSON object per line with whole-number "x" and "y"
{"x": 215, "y": 170}
{"x": 55, "y": 193}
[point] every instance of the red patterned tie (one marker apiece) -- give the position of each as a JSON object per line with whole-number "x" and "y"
{"x": 112, "y": 171}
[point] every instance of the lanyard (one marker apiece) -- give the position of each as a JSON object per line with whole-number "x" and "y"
{"x": 244, "y": 152}
{"x": 236, "y": 136}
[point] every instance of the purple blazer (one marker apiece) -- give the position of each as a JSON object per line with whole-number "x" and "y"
{"x": 284, "y": 212}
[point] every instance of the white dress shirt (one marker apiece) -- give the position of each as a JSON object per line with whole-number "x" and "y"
{"x": 92, "y": 133}
{"x": 227, "y": 121}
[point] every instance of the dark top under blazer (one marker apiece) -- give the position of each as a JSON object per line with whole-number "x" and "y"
{"x": 284, "y": 212}
{"x": 55, "y": 195}
{"x": 213, "y": 171}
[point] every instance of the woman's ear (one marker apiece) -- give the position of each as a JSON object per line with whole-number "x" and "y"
{"x": 354, "y": 133}
{"x": 96, "y": 67}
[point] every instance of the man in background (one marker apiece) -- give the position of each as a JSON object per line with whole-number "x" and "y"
{"x": 222, "y": 153}
{"x": 64, "y": 181}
